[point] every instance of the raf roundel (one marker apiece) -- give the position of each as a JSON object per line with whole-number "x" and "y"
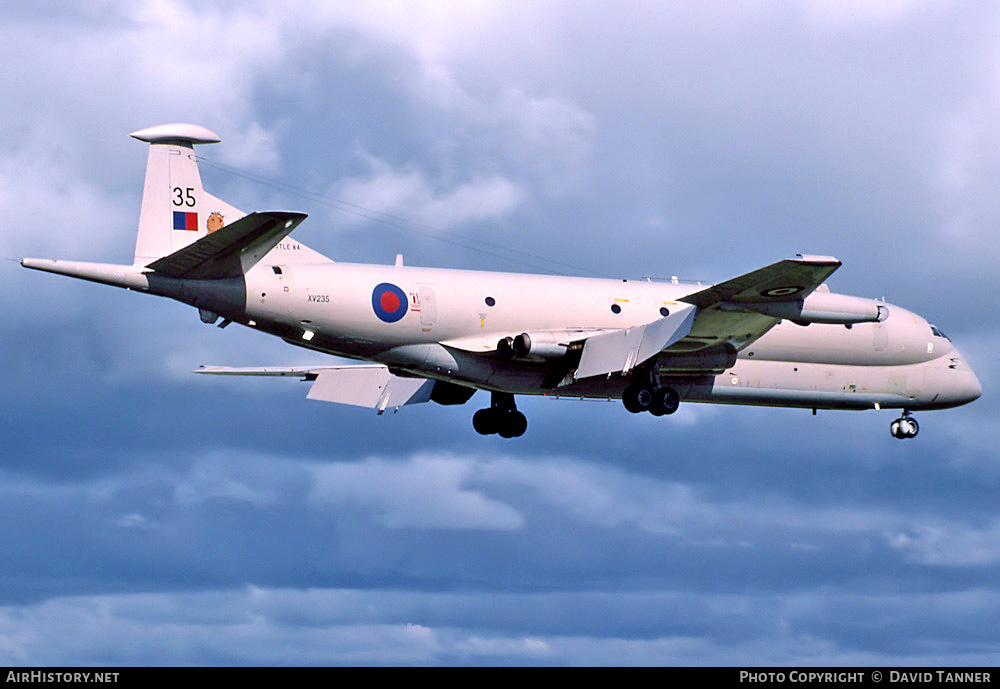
{"x": 782, "y": 291}
{"x": 389, "y": 302}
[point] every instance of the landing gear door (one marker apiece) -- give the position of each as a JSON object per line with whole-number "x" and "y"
{"x": 428, "y": 305}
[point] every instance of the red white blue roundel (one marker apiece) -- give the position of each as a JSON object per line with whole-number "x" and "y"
{"x": 389, "y": 302}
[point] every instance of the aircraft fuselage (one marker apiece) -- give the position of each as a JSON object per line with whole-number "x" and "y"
{"x": 897, "y": 363}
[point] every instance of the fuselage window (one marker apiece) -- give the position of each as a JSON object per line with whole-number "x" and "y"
{"x": 615, "y": 308}
{"x": 490, "y": 301}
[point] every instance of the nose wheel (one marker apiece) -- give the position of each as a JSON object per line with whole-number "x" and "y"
{"x": 501, "y": 417}
{"x": 904, "y": 427}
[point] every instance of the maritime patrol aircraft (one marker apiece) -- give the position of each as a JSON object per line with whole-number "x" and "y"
{"x": 776, "y": 336}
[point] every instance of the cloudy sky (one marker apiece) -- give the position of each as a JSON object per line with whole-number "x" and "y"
{"x": 148, "y": 515}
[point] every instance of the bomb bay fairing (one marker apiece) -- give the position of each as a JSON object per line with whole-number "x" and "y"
{"x": 776, "y": 336}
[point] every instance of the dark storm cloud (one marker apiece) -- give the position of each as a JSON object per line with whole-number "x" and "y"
{"x": 555, "y": 560}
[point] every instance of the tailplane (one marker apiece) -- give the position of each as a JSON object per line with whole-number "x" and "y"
{"x": 231, "y": 251}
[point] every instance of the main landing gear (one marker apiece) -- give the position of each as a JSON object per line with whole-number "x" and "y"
{"x": 658, "y": 400}
{"x": 501, "y": 417}
{"x": 904, "y": 427}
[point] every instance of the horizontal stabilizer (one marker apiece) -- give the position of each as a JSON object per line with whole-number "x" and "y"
{"x": 622, "y": 350}
{"x": 293, "y": 371}
{"x": 230, "y": 251}
{"x": 363, "y": 385}
{"x": 369, "y": 386}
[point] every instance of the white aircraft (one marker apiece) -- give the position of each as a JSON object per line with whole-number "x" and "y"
{"x": 776, "y": 336}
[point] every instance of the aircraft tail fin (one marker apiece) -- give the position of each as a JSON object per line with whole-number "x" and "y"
{"x": 176, "y": 210}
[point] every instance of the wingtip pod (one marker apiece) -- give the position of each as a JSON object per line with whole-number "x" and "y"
{"x": 176, "y": 133}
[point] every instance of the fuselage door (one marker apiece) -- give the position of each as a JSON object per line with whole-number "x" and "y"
{"x": 428, "y": 305}
{"x": 881, "y": 337}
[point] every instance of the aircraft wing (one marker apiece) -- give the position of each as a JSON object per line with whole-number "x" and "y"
{"x": 362, "y": 385}
{"x": 791, "y": 279}
{"x": 730, "y": 312}
{"x": 719, "y": 321}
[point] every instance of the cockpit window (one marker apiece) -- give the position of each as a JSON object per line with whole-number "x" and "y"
{"x": 938, "y": 333}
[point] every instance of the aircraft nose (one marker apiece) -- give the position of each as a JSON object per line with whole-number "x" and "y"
{"x": 965, "y": 386}
{"x": 953, "y": 385}
{"x": 971, "y": 388}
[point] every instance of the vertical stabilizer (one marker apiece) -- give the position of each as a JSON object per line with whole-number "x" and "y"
{"x": 176, "y": 210}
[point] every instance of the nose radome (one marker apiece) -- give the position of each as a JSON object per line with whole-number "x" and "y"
{"x": 973, "y": 388}
{"x": 965, "y": 386}
{"x": 952, "y": 385}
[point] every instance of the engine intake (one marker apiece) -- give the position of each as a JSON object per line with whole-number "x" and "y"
{"x": 543, "y": 345}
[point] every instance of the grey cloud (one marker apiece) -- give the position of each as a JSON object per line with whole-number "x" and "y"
{"x": 531, "y": 503}
{"x": 426, "y": 492}
{"x": 948, "y": 544}
{"x": 323, "y": 626}
{"x": 409, "y": 193}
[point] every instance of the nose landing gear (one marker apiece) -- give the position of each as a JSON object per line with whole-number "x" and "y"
{"x": 501, "y": 417}
{"x": 904, "y": 427}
